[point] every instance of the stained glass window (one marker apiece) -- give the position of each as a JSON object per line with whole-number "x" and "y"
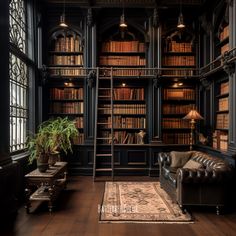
{"x": 19, "y": 76}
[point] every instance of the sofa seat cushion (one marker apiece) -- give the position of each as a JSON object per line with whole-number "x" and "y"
{"x": 178, "y": 159}
{"x": 191, "y": 164}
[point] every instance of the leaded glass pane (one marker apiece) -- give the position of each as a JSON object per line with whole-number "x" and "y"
{"x": 18, "y": 103}
{"x": 18, "y": 24}
{"x": 19, "y": 76}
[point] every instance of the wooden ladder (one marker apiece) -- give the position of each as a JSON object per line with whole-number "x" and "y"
{"x": 103, "y": 133}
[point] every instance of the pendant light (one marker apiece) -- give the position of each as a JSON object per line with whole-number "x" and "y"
{"x": 122, "y": 19}
{"x": 180, "y": 24}
{"x": 62, "y": 17}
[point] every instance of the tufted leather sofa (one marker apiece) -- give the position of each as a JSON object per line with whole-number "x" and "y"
{"x": 207, "y": 185}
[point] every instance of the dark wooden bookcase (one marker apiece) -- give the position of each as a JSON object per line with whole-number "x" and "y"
{"x": 126, "y": 55}
{"x": 179, "y": 87}
{"x": 220, "y": 135}
{"x": 65, "y": 85}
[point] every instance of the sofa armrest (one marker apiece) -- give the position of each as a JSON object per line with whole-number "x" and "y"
{"x": 202, "y": 176}
{"x": 164, "y": 158}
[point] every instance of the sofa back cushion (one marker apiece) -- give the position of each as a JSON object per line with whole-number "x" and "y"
{"x": 191, "y": 164}
{"x": 178, "y": 159}
{"x": 209, "y": 162}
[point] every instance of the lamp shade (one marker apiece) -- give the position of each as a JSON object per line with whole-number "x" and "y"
{"x": 62, "y": 21}
{"x": 180, "y": 21}
{"x": 193, "y": 115}
{"x": 122, "y": 21}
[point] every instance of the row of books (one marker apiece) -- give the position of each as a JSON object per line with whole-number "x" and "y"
{"x": 125, "y": 72}
{"x": 122, "y": 61}
{"x": 66, "y": 93}
{"x": 220, "y": 140}
{"x": 126, "y": 122}
{"x": 173, "y": 46}
{"x": 224, "y": 49}
{"x": 178, "y": 61}
{"x": 224, "y": 87}
{"x": 67, "y": 44}
{"x": 67, "y": 60}
{"x": 121, "y": 137}
{"x": 225, "y": 33}
{"x": 177, "y": 109}
{"x": 79, "y": 140}
{"x": 67, "y": 72}
{"x": 124, "y": 93}
{"x": 123, "y": 46}
{"x": 79, "y": 122}
{"x": 175, "y": 123}
{"x": 67, "y": 107}
{"x": 129, "y": 109}
{"x": 185, "y": 72}
{"x": 176, "y": 138}
{"x": 223, "y": 104}
{"x": 128, "y": 93}
{"x": 222, "y": 121}
{"x": 176, "y": 94}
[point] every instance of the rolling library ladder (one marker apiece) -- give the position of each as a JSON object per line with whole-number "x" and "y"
{"x": 104, "y": 125}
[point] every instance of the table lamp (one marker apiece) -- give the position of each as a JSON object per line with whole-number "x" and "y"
{"x": 193, "y": 115}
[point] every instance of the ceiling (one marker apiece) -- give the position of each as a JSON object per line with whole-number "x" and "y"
{"x": 128, "y": 3}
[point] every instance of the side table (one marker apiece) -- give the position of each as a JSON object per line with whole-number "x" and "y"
{"x": 45, "y": 186}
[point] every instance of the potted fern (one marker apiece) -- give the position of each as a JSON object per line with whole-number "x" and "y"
{"x": 53, "y": 136}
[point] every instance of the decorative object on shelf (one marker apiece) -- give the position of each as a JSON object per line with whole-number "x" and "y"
{"x": 91, "y": 79}
{"x": 193, "y": 115}
{"x": 180, "y": 24}
{"x": 62, "y": 17}
{"x": 140, "y": 137}
{"x": 202, "y": 139}
{"x": 53, "y": 136}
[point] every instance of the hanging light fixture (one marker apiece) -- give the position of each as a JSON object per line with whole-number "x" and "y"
{"x": 180, "y": 24}
{"x": 62, "y": 17}
{"x": 122, "y": 19}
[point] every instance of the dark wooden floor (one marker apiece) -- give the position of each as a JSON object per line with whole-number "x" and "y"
{"x": 77, "y": 214}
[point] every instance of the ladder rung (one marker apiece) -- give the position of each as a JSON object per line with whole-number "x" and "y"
{"x": 104, "y": 169}
{"x": 102, "y": 138}
{"x": 103, "y": 108}
{"x": 104, "y": 155}
{"x": 105, "y": 77}
{"x": 100, "y": 123}
{"x": 104, "y": 88}
{"x": 103, "y": 96}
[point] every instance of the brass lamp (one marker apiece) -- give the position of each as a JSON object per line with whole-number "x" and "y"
{"x": 193, "y": 115}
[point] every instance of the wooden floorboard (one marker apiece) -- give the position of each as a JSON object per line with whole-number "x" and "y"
{"x": 77, "y": 214}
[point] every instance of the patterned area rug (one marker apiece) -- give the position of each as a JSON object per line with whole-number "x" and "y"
{"x": 139, "y": 202}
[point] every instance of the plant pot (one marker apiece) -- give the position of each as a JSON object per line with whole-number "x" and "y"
{"x": 42, "y": 163}
{"x": 53, "y": 158}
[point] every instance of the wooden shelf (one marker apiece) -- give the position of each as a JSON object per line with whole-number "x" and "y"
{"x": 66, "y": 114}
{"x": 222, "y": 95}
{"x": 225, "y": 111}
{"x": 123, "y": 53}
{"x": 223, "y": 42}
{"x": 179, "y": 53}
{"x": 66, "y": 100}
{"x": 65, "y": 53}
{"x": 60, "y": 65}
